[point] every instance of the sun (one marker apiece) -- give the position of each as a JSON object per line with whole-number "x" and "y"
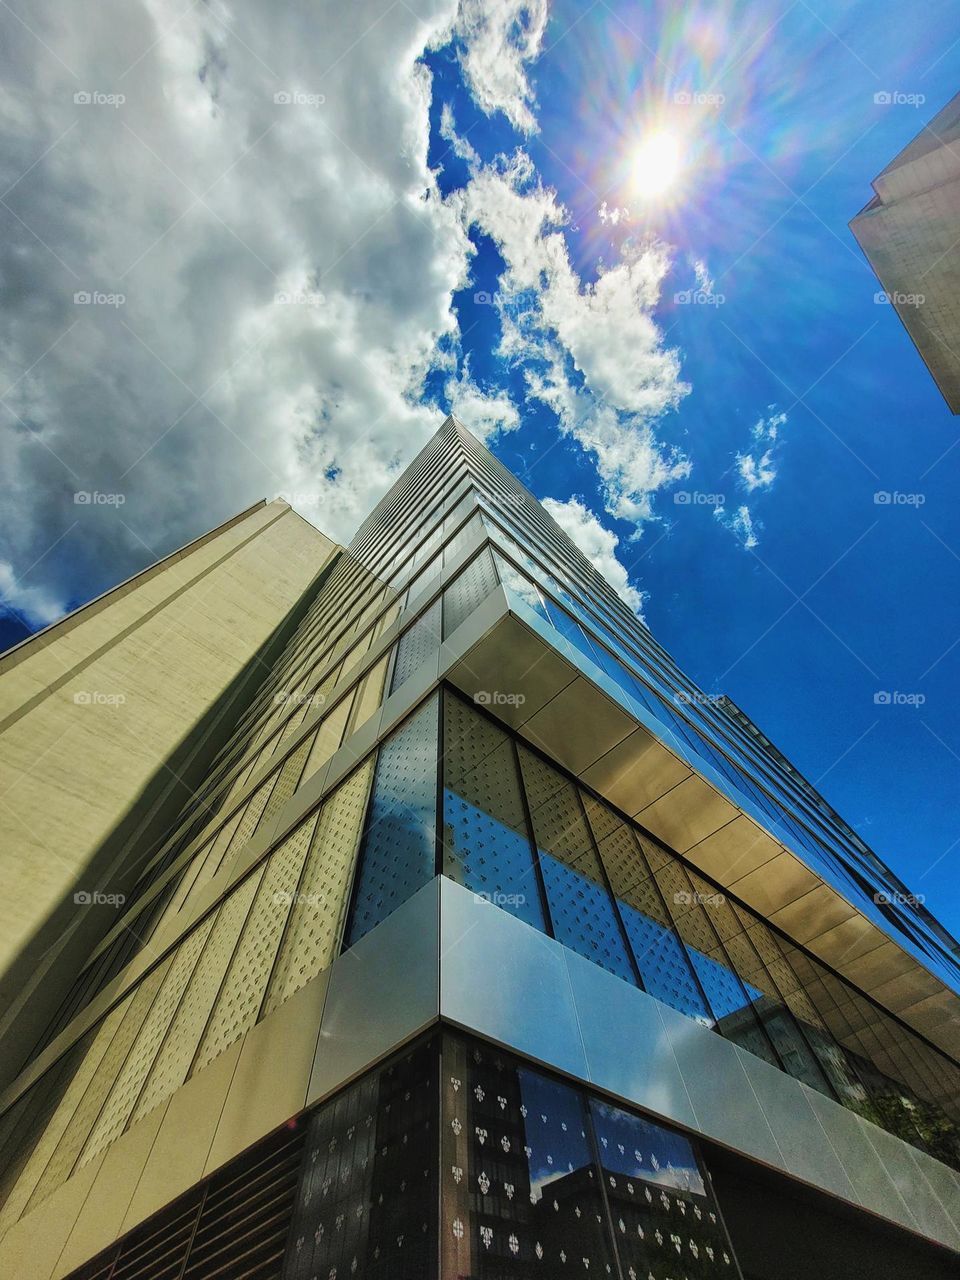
{"x": 657, "y": 164}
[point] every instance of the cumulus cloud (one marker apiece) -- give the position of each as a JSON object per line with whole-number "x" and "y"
{"x": 590, "y": 350}
{"x": 486, "y": 413}
{"x": 757, "y": 467}
{"x": 268, "y": 264}
{"x": 598, "y": 544}
{"x": 498, "y": 38}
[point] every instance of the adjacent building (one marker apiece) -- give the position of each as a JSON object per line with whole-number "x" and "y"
{"x": 486, "y": 945}
{"x": 910, "y": 233}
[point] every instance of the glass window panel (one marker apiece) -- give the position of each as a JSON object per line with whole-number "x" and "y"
{"x": 580, "y": 904}
{"x": 399, "y": 845}
{"x": 521, "y": 1189}
{"x": 666, "y": 1221}
{"x": 486, "y": 845}
{"x": 661, "y": 958}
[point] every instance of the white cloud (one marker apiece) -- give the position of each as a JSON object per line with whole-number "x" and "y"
{"x": 757, "y": 469}
{"x": 500, "y": 37}
{"x": 598, "y": 544}
{"x": 741, "y": 524}
{"x": 486, "y": 414}
{"x": 702, "y": 275}
{"x": 591, "y": 350}
{"x": 612, "y": 216}
{"x": 35, "y": 605}
{"x": 201, "y": 199}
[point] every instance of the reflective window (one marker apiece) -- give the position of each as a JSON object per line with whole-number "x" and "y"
{"x": 486, "y": 846}
{"x": 399, "y": 843}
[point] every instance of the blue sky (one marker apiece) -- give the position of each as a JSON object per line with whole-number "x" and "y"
{"x": 510, "y": 172}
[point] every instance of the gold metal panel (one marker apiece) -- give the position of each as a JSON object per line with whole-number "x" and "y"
{"x": 737, "y": 848}
{"x": 31, "y": 1248}
{"x": 136, "y": 1008}
{"x": 329, "y": 736}
{"x": 511, "y": 659}
{"x": 57, "y": 1124}
{"x": 879, "y": 966}
{"x": 270, "y": 1082}
{"x": 776, "y": 884}
{"x": 178, "y": 1156}
{"x": 636, "y": 772}
{"x": 813, "y": 914}
{"x": 844, "y": 942}
{"x": 117, "y": 1109}
{"x": 688, "y": 813}
{"x": 320, "y": 903}
{"x": 99, "y": 1221}
{"x": 239, "y": 1000}
{"x": 173, "y": 1061}
{"x": 578, "y": 726}
{"x": 251, "y": 817}
{"x": 370, "y": 693}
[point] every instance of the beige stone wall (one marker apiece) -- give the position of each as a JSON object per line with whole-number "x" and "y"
{"x": 92, "y": 708}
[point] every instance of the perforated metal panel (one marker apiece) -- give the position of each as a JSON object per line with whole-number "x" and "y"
{"x": 328, "y": 737}
{"x": 136, "y": 1008}
{"x": 580, "y": 907}
{"x": 399, "y": 853}
{"x": 123, "y": 1096}
{"x": 56, "y": 1126}
{"x": 486, "y": 846}
{"x": 468, "y": 590}
{"x": 173, "y": 1062}
{"x": 288, "y": 780}
{"x": 316, "y": 919}
{"x": 250, "y": 818}
{"x": 238, "y": 1003}
{"x": 663, "y": 963}
{"x": 417, "y": 644}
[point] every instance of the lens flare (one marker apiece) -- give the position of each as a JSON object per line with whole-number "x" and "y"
{"x": 657, "y": 164}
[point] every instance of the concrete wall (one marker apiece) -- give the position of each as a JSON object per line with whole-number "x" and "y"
{"x": 94, "y": 708}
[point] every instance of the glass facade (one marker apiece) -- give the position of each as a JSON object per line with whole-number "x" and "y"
{"x": 316, "y": 822}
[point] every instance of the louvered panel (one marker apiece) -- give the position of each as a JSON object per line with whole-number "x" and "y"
{"x": 242, "y": 993}
{"x": 119, "y": 1105}
{"x": 317, "y": 916}
{"x": 173, "y": 1062}
{"x": 71, "y": 1144}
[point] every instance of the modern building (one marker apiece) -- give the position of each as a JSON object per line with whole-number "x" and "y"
{"x": 910, "y": 233}
{"x": 486, "y": 945}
